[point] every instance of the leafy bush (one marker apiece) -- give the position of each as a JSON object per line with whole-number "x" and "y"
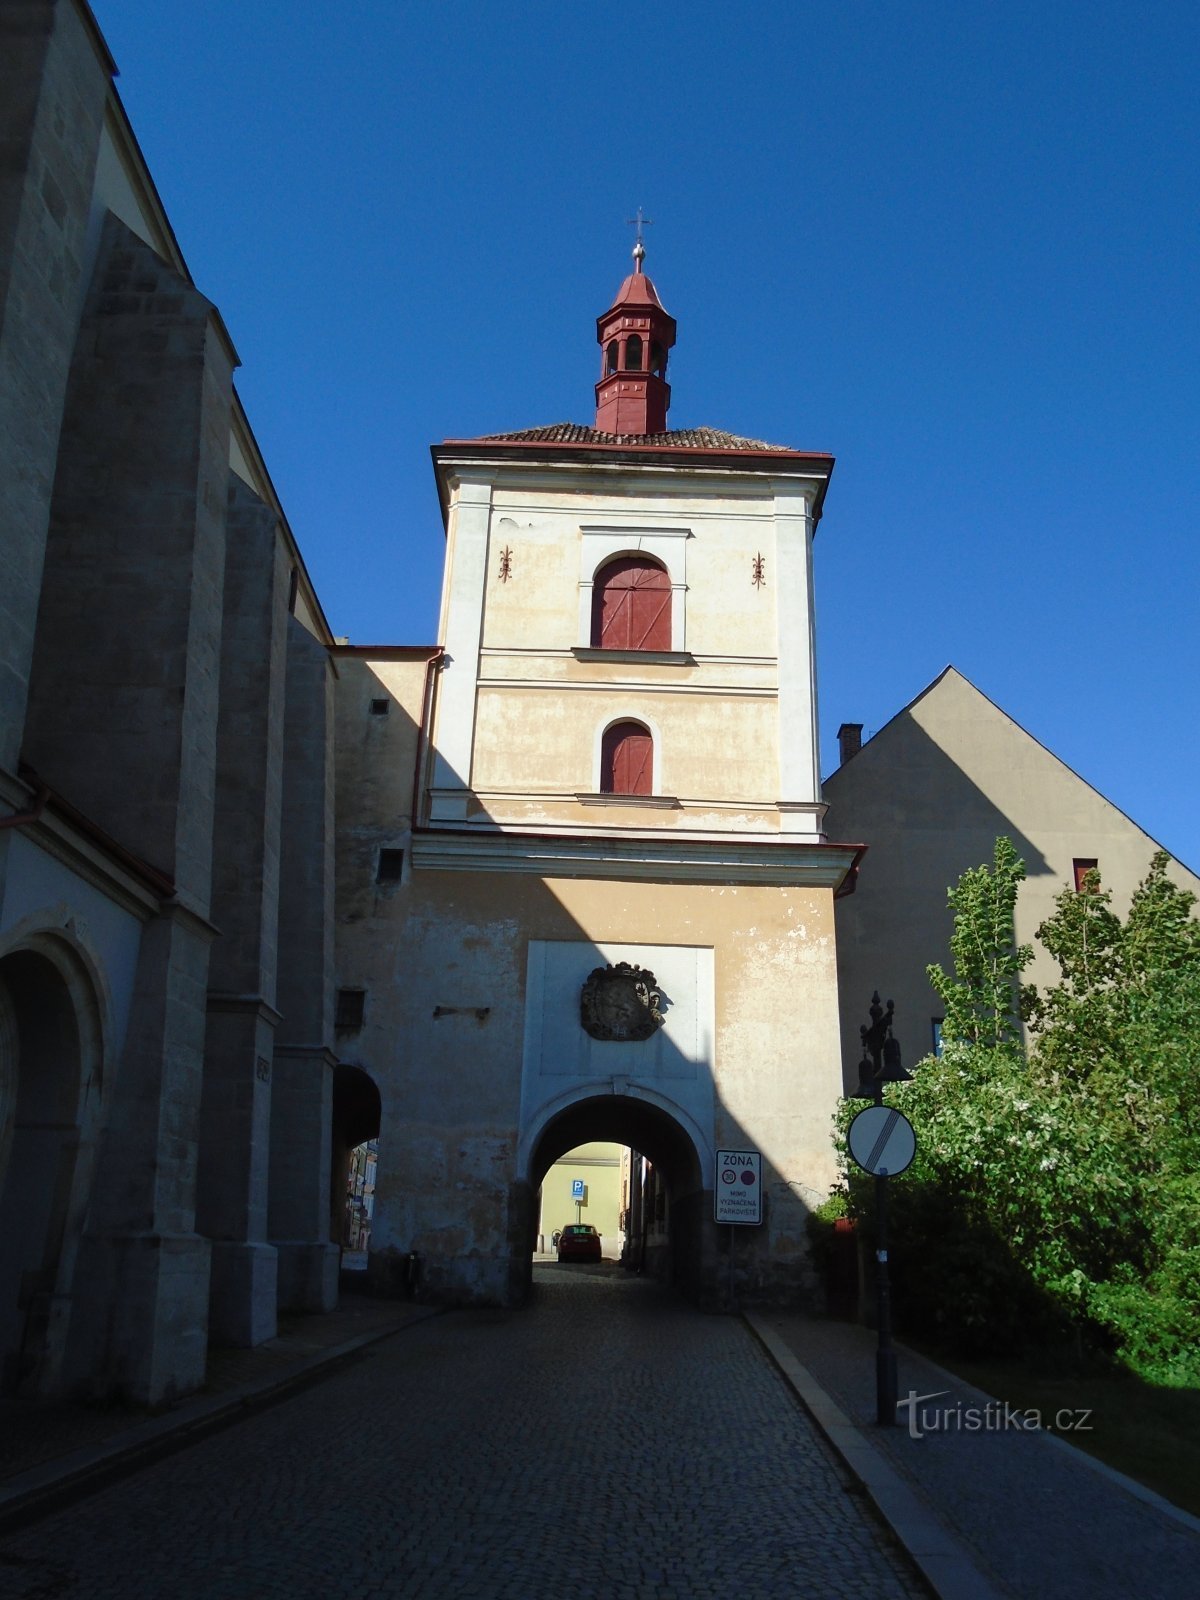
{"x": 1056, "y": 1194}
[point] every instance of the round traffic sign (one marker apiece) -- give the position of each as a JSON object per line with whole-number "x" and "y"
{"x": 882, "y": 1141}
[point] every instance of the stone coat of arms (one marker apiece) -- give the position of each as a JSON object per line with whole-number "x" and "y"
{"x": 620, "y": 1002}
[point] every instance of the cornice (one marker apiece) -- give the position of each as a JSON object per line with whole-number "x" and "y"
{"x": 659, "y": 859}
{"x": 479, "y": 460}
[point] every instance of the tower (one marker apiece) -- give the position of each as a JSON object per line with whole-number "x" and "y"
{"x": 635, "y": 335}
{"x": 605, "y": 772}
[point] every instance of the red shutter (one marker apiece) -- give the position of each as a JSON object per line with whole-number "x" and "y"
{"x": 627, "y": 760}
{"x": 1081, "y": 869}
{"x": 631, "y": 606}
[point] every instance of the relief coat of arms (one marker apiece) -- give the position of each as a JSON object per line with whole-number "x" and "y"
{"x": 620, "y": 1002}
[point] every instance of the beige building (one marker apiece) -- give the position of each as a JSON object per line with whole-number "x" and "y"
{"x": 601, "y": 1169}
{"x": 609, "y": 757}
{"x": 931, "y": 792}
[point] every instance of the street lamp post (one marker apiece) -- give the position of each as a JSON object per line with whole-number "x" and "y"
{"x": 881, "y": 1064}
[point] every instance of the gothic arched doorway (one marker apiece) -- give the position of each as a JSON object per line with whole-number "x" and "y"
{"x": 45, "y": 1042}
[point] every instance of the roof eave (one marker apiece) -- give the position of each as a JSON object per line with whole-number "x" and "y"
{"x": 758, "y": 461}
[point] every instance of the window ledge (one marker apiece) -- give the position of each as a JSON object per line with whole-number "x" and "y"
{"x": 664, "y": 658}
{"x": 663, "y": 802}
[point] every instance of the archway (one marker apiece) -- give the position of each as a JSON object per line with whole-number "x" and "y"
{"x": 357, "y": 1112}
{"x": 668, "y": 1203}
{"x": 43, "y": 1045}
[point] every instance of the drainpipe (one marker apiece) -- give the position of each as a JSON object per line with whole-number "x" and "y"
{"x": 423, "y": 729}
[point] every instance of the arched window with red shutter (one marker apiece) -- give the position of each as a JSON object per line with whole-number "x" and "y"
{"x": 627, "y": 759}
{"x": 631, "y": 606}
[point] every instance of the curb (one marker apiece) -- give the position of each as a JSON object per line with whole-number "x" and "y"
{"x": 43, "y": 1489}
{"x": 949, "y": 1568}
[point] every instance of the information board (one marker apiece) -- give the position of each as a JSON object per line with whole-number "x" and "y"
{"x": 737, "y": 1196}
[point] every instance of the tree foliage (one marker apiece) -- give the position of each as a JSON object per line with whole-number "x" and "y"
{"x": 1055, "y": 1190}
{"x": 982, "y": 999}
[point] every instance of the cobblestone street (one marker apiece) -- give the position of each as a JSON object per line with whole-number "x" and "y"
{"x": 607, "y": 1441}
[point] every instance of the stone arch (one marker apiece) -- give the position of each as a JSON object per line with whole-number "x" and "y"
{"x": 648, "y": 1123}
{"x": 51, "y": 1058}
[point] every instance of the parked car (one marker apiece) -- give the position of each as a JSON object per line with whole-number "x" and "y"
{"x": 579, "y": 1242}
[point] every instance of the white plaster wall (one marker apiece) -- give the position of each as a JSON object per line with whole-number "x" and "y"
{"x": 561, "y": 1062}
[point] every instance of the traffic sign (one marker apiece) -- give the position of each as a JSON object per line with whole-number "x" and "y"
{"x": 577, "y": 1189}
{"x": 882, "y": 1141}
{"x": 738, "y": 1195}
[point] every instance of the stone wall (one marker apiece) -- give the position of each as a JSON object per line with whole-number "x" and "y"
{"x": 240, "y": 1042}
{"x": 302, "y": 1091}
{"x": 52, "y": 89}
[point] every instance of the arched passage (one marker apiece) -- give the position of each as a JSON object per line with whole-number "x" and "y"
{"x": 672, "y": 1251}
{"x": 44, "y": 1043}
{"x": 357, "y": 1111}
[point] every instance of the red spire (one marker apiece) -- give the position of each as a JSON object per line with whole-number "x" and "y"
{"x": 635, "y": 334}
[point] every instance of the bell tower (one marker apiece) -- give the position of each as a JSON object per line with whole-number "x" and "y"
{"x": 635, "y": 334}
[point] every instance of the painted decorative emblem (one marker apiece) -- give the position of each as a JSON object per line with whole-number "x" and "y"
{"x": 620, "y": 1002}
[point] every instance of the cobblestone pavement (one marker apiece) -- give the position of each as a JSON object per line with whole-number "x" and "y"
{"x": 608, "y": 1441}
{"x": 33, "y": 1435}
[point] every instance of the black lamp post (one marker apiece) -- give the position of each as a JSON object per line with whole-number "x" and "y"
{"x": 881, "y": 1065}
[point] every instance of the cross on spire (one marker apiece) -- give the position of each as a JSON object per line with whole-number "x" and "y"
{"x": 639, "y": 249}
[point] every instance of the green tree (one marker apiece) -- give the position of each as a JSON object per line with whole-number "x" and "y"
{"x": 983, "y": 999}
{"x": 1058, "y": 1191}
{"x": 1118, "y": 1035}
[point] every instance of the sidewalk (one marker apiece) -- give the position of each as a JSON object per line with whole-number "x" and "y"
{"x": 990, "y": 1512}
{"x": 50, "y": 1453}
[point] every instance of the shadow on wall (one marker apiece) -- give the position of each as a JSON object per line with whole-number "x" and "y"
{"x": 485, "y": 1073}
{"x": 924, "y": 822}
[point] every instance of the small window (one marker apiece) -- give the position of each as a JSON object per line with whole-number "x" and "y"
{"x": 658, "y": 360}
{"x": 380, "y": 708}
{"x": 627, "y": 760}
{"x": 351, "y": 1006}
{"x": 631, "y": 606}
{"x": 1081, "y": 868}
{"x": 391, "y": 866}
{"x": 633, "y": 353}
{"x": 610, "y": 357}
{"x": 293, "y": 591}
{"x": 936, "y": 1026}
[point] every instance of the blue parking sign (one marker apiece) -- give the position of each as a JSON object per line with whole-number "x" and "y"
{"x": 576, "y": 1188}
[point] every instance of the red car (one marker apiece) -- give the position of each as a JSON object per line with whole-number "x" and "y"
{"x": 579, "y": 1242}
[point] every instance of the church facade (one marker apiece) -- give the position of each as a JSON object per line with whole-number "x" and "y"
{"x": 167, "y": 1054}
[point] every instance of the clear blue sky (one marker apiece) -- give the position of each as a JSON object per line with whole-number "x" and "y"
{"x": 953, "y": 243}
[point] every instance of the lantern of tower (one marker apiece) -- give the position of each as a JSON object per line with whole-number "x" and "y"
{"x": 635, "y": 334}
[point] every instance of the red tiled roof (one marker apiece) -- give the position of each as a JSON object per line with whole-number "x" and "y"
{"x": 677, "y": 438}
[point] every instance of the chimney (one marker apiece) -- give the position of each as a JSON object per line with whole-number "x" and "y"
{"x": 849, "y": 740}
